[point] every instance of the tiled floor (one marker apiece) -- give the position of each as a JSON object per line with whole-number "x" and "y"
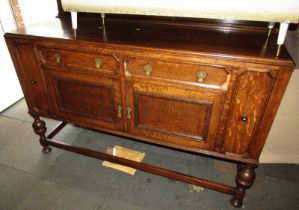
{"x": 32, "y": 180}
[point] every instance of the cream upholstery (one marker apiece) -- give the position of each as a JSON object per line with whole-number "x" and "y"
{"x": 253, "y": 10}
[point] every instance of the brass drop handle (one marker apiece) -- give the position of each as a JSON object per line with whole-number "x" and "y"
{"x": 119, "y": 109}
{"x": 57, "y": 58}
{"x": 98, "y": 63}
{"x": 147, "y": 69}
{"x": 201, "y": 76}
{"x": 129, "y": 112}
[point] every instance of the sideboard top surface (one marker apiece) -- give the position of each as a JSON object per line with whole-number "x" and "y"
{"x": 202, "y": 39}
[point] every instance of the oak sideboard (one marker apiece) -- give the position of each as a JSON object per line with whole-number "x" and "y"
{"x": 201, "y": 87}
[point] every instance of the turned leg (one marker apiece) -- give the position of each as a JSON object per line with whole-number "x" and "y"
{"x": 74, "y": 17}
{"x": 244, "y": 180}
{"x": 270, "y": 28}
{"x": 40, "y": 129}
{"x": 283, "y": 29}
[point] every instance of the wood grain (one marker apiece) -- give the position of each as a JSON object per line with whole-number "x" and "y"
{"x": 228, "y": 115}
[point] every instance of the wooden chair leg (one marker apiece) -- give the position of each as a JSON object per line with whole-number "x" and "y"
{"x": 244, "y": 180}
{"x": 40, "y": 129}
{"x": 283, "y": 29}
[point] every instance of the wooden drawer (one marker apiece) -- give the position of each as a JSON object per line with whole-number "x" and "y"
{"x": 203, "y": 75}
{"x": 107, "y": 63}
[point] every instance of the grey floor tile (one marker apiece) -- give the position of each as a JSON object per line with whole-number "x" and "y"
{"x": 63, "y": 180}
{"x": 87, "y": 174}
{"x": 59, "y": 196}
{"x": 18, "y": 111}
{"x": 11, "y": 129}
{"x": 288, "y": 172}
{"x": 14, "y": 186}
{"x": 273, "y": 194}
{"x": 20, "y": 147}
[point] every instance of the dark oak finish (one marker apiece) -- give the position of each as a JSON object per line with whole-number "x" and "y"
{"x": 161, "y": 110}
{"x": 199, "y": 87}
{"x": 81, "y": 61}
{"x": 39, "y": 127}
{"x": 176, "y": 112}
{"x": 147, "y": 168}
{"x": 244, "y": 179}
{"x": 179, "y": 71}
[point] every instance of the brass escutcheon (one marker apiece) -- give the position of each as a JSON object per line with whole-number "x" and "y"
{"x": 119, "y": 111}
{"x": 57, "y": 58}
{"x": 129, "y": 111}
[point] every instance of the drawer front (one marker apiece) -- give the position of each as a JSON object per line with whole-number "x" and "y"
{"x": 203, "y": 75}
{"x": 96, "y": 62}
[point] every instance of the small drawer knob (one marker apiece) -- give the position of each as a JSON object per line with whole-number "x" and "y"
{"x": 33, "y": 82}
{"x": 57, "y": 58}
{"x": 147, "y": 69}
{"x": 98, "y": 63}
{"x": 201, "y": 76}
{"x": 244, "y": 118}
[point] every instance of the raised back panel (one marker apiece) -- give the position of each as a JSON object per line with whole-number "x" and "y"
{"x": 32, "y": 82}
{"x": 249, "y": 100}
{"x": 85, "y": 99}
{"x": 172, "y": 116}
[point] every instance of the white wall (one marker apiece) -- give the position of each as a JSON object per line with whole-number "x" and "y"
{"x": 282, "y": 145}
{"x": 37, "y": 10}
{"x": 6, "y": 16}
{"x": 10, "y": 90}
{"x": 32, "y": 11}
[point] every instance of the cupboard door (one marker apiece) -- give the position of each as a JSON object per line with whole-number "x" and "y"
{"x": 30, "y": 76}
{"x": 252, "y": 93}
{"x": 86, "y": 99}
{"x": 173, "y": 115}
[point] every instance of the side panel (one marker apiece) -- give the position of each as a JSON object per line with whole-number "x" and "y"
{"x": 250, "y": 99}
{"x": 30, "y": 75}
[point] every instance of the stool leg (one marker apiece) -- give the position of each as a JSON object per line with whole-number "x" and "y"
{"x": 103, "y": 19}
{"x": 74, "y": 22}
{"x": 40, "y": 129}
{"x": 244, "y": 180}
{"x": 283, "y": 28}
{"x": 270, "y": 27}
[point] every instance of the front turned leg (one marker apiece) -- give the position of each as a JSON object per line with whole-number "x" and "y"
{"x": 244, "y": 180}
{"x": 40, "y": 129}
